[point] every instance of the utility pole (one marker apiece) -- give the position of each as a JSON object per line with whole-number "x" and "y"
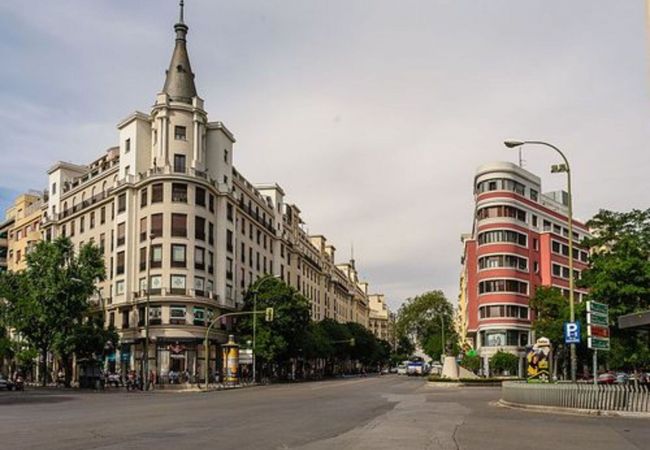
{"x": 145, "y": 364}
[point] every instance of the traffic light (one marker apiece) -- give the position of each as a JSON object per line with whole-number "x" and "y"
{"x": 352, "y": 342}
{"x": 269, "y": 315}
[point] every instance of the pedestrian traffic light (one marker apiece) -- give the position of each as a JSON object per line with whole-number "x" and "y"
{"x": 269, "y": 315}
{"x": 352, "y": 342}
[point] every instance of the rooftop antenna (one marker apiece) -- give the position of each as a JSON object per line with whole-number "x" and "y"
{"x": 521, "y": 157}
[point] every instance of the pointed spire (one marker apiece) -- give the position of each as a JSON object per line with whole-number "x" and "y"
{"x": 179, "y": 83}
{"x": 352, "y": 262}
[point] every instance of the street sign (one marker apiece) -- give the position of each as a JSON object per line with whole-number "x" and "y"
{"x": 597, "y": 319}
{"x": 598, "y": 326}
{"x": 599, "y": 308}
{"x": 596, "y": 343}
{"x": 598, "y": 331}
{"x": 571, "y": 332}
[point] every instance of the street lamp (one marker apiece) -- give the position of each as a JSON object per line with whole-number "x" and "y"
{"x": 145, "y": 364}
{"x": 256, "y": 290}
{"x": 557, "y": 168}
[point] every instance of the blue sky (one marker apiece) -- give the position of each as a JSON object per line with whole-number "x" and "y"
{"x": 373, "y": 116}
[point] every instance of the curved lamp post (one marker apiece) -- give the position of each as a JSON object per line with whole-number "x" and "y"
{"x": 557, "y": 168}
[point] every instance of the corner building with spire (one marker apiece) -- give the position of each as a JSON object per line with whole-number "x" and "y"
{"x": 169, "y": 210}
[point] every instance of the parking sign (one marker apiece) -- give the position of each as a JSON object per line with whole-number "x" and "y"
{"x": 572, "y": 332}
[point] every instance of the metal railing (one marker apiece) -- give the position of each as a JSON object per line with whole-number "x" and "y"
{"x": 629, "y": 398}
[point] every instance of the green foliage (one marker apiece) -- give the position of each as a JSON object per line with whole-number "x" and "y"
{"x": 425, "y": 317}
{"x": 551, "y": 311}
{"x": 47, "y": 302}
{"x": 281, "y": 339}
{"x": 619, "y": 275}
{"x": 502, "y": 361}
{"x": 471, "y": 363}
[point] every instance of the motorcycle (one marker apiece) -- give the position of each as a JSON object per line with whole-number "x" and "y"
{"x": 19, "y": 384}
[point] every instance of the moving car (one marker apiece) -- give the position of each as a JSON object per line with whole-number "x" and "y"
{"x": 606, "y": 378}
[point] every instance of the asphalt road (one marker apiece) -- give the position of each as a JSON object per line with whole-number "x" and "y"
{"x": 388, "y": 412}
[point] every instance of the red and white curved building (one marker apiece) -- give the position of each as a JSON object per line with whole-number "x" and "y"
{"x": 519, "y": 241}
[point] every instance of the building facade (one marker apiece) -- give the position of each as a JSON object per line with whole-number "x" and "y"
{"x": 22, "y": 229}
{"x": 182, "y": 229}
{"x": 381, "y": 319}
{"x": 519, "y": 241}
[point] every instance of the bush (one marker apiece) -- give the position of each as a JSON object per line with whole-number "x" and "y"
{"x": 471, "y": 363}
{"x": 502, "y": 362}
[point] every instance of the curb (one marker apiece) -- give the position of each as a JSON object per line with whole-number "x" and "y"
{"x": 572, "y": 411}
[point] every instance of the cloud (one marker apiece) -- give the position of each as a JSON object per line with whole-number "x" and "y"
{"x": 372, "y": 117}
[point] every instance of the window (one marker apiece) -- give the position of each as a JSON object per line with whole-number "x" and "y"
{"x": 180, "y": 133}
{"x": 490, "y": 212}
{"x": 156, "y": 284}
{"x": 199, "y": 316}
{"x": 157, "y": 225}
{"x": 143, "y": 229}
{"x": 121, "y": 232}
{"x": 229, "y": 212}
{"x": 242, "y": 252}
{"x": 157, "y": 193}
{"x": 81, "y": 224}
{"x": 178, "y": 255}
{"x": 533, "y": 195}
{"x": 210, "y": 262}
{"x": 143, "y": 259}
{"x": 72, "y": 228}
{"x": 155, "y": 315}
{"x": 102, "y": 242}
{"x": 121, "y": 203}
{"x": 127, "y": 146}
{"x": 120, "y": 263}
{"x": 210, "y": 233}
{"x": 494, "y": 236}
{"x": 534, "y": 221}
{"x": 143, "y": 197}
{"x": 514, "y": 286}
{"x": 229, "y": 268}
{"x": 125, "y": 318}
{"x": 179, "y": 225}
{"x": 199, "y": 228}
{"x": 225, "y": 156}
{"x": 111, "y": 319}
{"x": 496, "y": 261}
{"x": 229, "y": 241}
{"x": 156, "y": 256}
{"x": 179, "y": 193}
{"x": 199, "y": 258}
{"x": 177, "y": 314}
{"x": 211, "y": 202}
{"x": 178, "y": 284}
{"x": 199, "y": 196}
{"x": 199, "y": 283}
{"x": 179, "y": 163}
{"x": 102, "y": 215}
{"x": 53, "y": 188}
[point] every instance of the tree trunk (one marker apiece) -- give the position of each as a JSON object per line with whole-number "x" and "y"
{"x": 44, "y": 366}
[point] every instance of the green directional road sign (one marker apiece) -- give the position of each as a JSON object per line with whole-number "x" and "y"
{"x": 597, "y": 319}
{"x": 598, "y": 343}
{"x": 599, "y": 308}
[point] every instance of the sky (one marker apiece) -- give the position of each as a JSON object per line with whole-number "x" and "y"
{"x": 372, "y": 115}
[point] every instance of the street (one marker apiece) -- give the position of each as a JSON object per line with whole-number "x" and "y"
{"x": 359, "y": 413}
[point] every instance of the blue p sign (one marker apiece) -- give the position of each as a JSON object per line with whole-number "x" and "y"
{"x": 571, "y": 332}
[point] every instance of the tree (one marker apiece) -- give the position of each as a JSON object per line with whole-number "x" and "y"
{"x": 425, "y": 317}
{"x": 471, "y": 362}
{"x": 503, "y": 362}
{"x": 49, "y": 300}
{"x": 619, "y": 275}
{"x": 282, "y": 339}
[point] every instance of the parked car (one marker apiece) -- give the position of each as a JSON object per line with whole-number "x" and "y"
{"x": 6, "y": 383}
{"x": 622, "y": 378}
{"x": 606, "y": 378}
{"x": 401, "y": 369}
